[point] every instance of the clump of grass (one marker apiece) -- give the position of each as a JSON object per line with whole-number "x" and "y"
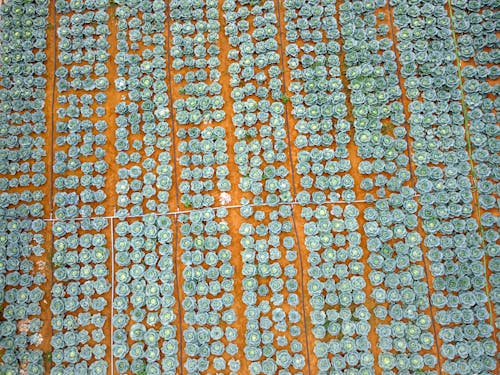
{"x": 387, "y": 128}
{"x": 47, "y": 356}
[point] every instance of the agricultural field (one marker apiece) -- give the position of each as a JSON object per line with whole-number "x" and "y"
{"x": 249, "y": 187}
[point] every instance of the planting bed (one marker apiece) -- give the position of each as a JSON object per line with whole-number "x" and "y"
{"x": 249, "y": 187}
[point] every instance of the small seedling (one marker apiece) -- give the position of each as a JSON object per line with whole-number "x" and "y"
{"x": 387, "y": 128}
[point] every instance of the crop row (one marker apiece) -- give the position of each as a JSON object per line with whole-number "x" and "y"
{"x": 22, "y": 120}
{"x": 145, "y": 333}
{"x": 336, "y": 285}
{"x": 81, "y": 255}
{"x": 209, "y": 331}
{"x": 22, "y": 175}
{"x": 271, "y": 272}
{"x": 396, "y": 274}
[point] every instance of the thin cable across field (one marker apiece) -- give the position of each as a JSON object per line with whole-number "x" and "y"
{"x": 178, "y": 212}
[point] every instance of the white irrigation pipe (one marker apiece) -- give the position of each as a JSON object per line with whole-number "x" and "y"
{"x": 175, "y": 213}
